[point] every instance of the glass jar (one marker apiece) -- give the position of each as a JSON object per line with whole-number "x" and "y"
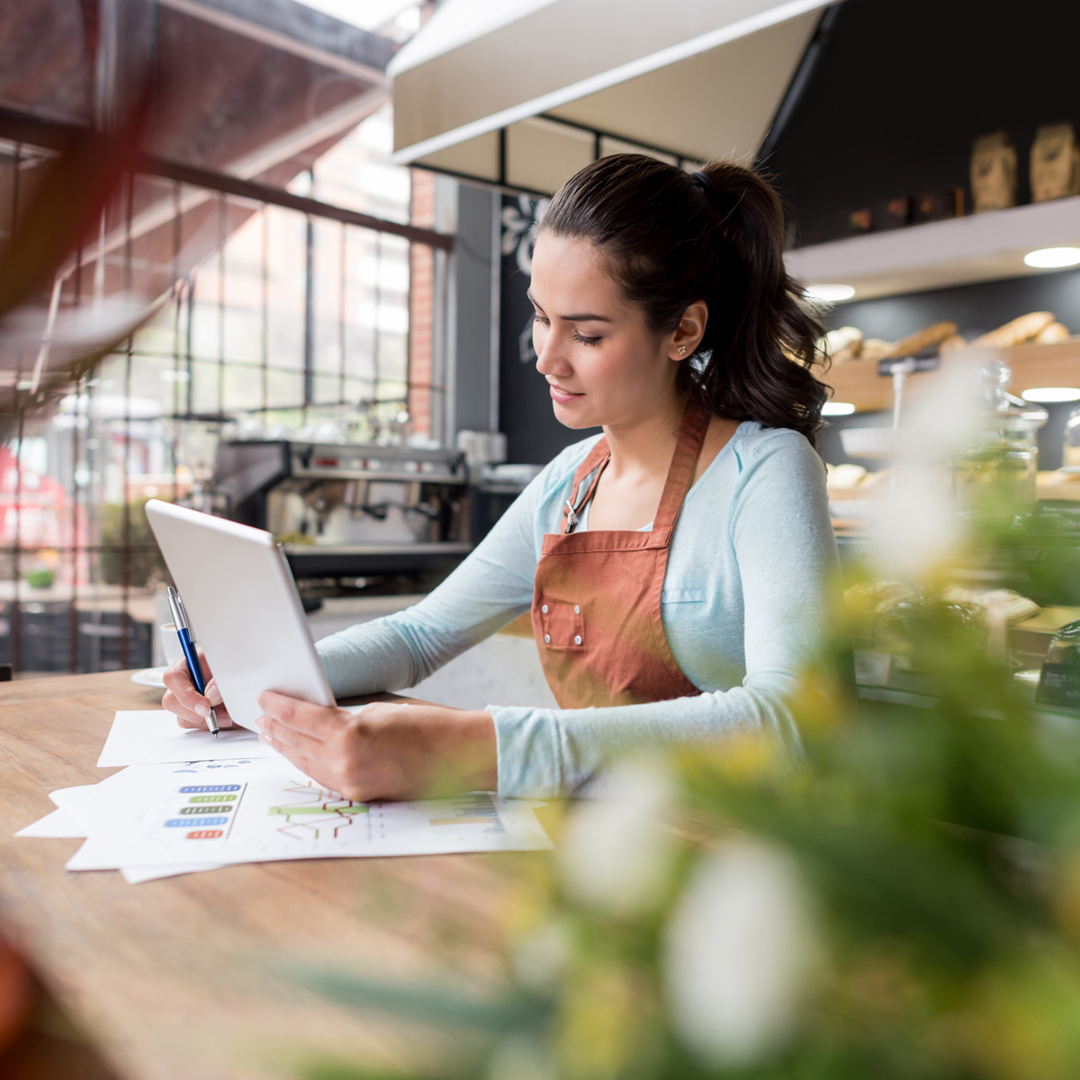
{"x": 1070, "y": 454}
{"x": 995, "y": 472}
{"x": 1065, "y": 645}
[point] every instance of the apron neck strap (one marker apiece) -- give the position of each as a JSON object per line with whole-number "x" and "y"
{"x": 691, "y": 436}
{"x": 688, "y": 445}
{"x": 596, "y": 460}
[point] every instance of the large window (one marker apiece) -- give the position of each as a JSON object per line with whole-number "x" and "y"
{"x": 272, "y": 323}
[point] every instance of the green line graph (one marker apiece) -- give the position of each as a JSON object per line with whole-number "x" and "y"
{"x": 315, "y": 811}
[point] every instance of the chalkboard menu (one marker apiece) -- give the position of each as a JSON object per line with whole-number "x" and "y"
{"x": 533, "y": 435}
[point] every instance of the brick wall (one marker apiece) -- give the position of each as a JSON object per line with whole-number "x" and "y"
{"x": 422, "y": 306}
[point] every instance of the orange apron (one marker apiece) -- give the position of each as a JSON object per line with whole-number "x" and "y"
{"x": 596, "y": 598}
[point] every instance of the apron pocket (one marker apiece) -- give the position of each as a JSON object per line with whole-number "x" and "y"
{"x": 564, "y": 625}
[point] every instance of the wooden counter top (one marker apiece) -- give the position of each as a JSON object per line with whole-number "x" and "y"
{"x": 189, "y": 977}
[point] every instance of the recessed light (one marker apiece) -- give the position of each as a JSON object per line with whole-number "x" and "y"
{"x": 1048, "y": 395}
{"x": 841, "y": 408}
{"x": 1048, "y": 258}
{"x": 832, "y": 294}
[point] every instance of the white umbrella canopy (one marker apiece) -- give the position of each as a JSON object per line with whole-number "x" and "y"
{"x": 523, "y": 93}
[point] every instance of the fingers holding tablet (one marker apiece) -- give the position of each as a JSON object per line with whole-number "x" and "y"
{"x": 388, "y": 751}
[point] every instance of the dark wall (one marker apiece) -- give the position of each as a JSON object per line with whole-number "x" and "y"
{"x": 975, "y": 308}
{"x": 901, "y": 92}
{"x": 472, "y": 314}
{"x": 533, "y": 435}
{"x": 902, "y": 89}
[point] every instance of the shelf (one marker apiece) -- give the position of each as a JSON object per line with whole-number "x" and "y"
{"x": 859, "y": 383}
{"x": 982, "y": 247}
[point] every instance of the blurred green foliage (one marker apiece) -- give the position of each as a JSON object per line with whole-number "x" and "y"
{"x": 936, "y": 838}
{"x": 40, "y": 579}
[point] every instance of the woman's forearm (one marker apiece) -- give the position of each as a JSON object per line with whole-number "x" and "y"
{"x": 548, "y": 752}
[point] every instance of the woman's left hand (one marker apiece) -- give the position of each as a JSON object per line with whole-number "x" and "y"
{"x": 387, "y": 751}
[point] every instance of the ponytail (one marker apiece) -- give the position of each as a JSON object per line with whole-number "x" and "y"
{"x": 673, "y": 238}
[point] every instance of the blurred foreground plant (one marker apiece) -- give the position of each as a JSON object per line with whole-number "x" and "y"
{"x": 905, "y": 903}
{"x": 60, "y": 213}
{"x": 900, "y": 901}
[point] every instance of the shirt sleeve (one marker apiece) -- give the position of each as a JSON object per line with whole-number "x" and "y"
{"x": 782, "y": 537}
{"x": 491, "y": 587}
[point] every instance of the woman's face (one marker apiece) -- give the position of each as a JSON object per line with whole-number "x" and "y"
{"x": 603, "y": 365}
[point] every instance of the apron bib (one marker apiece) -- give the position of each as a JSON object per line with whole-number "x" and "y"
{"x": 596, "y": 597}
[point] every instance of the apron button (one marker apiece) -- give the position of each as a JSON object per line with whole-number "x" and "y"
{"x": 544, "y": 609}
{"x": 547, "y": 639}
{"x": 577, "y": 610}
{"x": 577, "y": 640}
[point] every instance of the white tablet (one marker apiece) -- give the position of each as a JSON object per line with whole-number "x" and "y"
{"x": 243, "y": 607}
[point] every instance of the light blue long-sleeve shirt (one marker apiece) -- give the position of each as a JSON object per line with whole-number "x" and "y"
{"x": 745, "y": 596}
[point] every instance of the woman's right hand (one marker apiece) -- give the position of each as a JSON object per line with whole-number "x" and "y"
{"x": 186, "y": 703}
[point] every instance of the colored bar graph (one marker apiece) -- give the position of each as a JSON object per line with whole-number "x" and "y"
{"x": 473, "y": 810}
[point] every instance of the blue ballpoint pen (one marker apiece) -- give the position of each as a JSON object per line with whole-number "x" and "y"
{"x": 176, "y": 605}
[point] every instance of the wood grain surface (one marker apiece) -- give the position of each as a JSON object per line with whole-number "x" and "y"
{"x": 195, "y": 976}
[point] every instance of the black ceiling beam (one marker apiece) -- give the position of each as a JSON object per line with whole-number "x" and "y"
{"x": 49, "y": 134}
{"x": 251, "y": 189}
{"x": 799, "y": 82}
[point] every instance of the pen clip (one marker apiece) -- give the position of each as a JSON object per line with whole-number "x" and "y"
{"x": 176, "y": 606}
{"x": 184, "y": 624}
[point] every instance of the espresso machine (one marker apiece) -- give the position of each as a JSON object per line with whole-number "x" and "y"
{"x": 350, "y": 511}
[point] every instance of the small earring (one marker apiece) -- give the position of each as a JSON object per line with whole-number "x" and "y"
{"x": 682, "y": 349}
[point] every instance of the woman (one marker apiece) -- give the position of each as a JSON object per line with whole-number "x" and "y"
{"x": 676, "y": 567}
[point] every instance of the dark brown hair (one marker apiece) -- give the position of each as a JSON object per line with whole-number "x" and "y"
{"x": 672, "y": 238}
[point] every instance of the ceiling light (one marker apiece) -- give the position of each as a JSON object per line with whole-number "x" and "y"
{"x": 1048, "y": 258}
{"x": 1048, "y": 395}
{"x": 844, "y": 408}
{"x": 832, "y": 294}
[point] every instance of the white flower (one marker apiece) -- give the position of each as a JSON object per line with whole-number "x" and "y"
{"x": 738, "y": 954}
{"x": 615, "y": 853}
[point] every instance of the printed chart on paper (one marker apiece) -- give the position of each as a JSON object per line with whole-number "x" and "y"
{"x": 251, "y": 811}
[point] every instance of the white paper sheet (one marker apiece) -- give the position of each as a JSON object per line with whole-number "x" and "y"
{"x": 57, "y": 825}
{"x": 153, "y": 737}
{"x": 91, "y": 805}
{"x": 136, "y": 875}
{"x": 62, "y": 824}
{"x": 88, "y": 806}
{"x": 259, "y": 810}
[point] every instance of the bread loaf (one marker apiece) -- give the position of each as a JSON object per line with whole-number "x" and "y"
{"x": 1018, "y": 331}
{"x": 1054, "y": 332}
{"x": 842, "y": 338}
{"x": 923, "y": 339}
{"x": 846, "y": 354}
{"x": 874, "y": 349}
